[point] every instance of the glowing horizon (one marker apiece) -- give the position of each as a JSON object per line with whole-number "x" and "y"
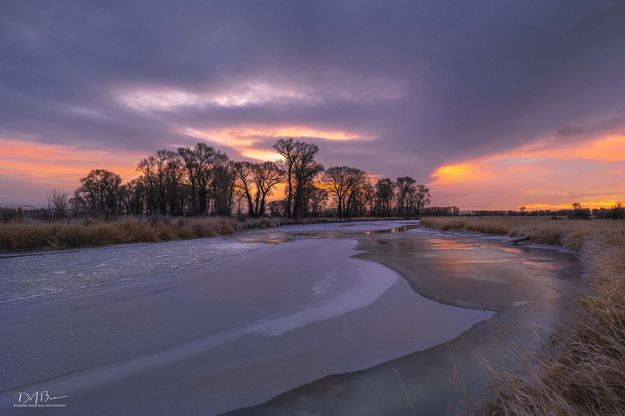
{"x": 504, "y": 174}
{"x": 539, "y": 177}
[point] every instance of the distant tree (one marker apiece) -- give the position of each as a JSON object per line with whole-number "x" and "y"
{"x": 58, "y": 202}
{"x": 420, "y": 198}
{"x": 77, "y": 204}
{"x": 300, "y": 168}
{"x": 579, "y": 212}
{"x": 100, "y": 190}
{"x": 162, "y": 174}
{"x": 441, "y": 211}
{"x": 134, "y": 194}
{"x": 343, "y": 183}
{"x": 207, "y": 160}
{"x": 405, "y": 189}
{"x": 223, "y": 188}
{"x": 305, "y": 170}
{"x": 200, "y": 180}
{"x": 256, "y": 181}
{"x": 317, "y": 200}
{"x": 617, "y": 212}
{"x": 190, "y": 163}
{"x": 288, "y": 149}
{"x": 522, "y": 210}
{"x": 368, "y": 198}
{"x": 244, "y": 183}
{"x": 384, "y": 193}
{"x": 266, "y": 176}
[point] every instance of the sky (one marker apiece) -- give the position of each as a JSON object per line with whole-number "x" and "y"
{"x": 492, "y": 104}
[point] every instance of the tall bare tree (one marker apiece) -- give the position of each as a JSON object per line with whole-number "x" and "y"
{"x": 300, "y": 169}
{"x": 305, "y": 170}
{"x": 420, "y": 198}
{"x": 405, "y": 188}
{"x": 288, "y": 149}
{"x": 223, "y": 188}
{"x": 162, "y": 173}
{"x": 266, "y": 176}
{"x": 190, "y": 163}
{"x": 342, "y": 182}
{"x": 317, "y": 200}
{"x": 207, "y": 160}
{"x": 384, "y": 192}
{"x": 256, "y": 181}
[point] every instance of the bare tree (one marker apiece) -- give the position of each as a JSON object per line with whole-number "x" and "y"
{"x": 223, "y": 188}
{"x": 343, "y": 181}
{"x": 101, "y": 191}
{"x": 266, "y": 176}
{"x": 384, "y": 192}
{"x": 162, "y": 173}
{"x": 256, "y": 181}
{"x": 288, "y": 149}
{"x": 305, "y": 170}
{"x": 244, "y": 183}
{"x": 300, "y": 168}
{"x": 317, "y": 200}
{"x": 134, "y": 194}
{"x": 203, "y": 162}
{"x": 420, "y": 198}
{"x": 58, "y": 201}
{"x": 201, "y": 180}
{"x": 405, "y": 189}
{"x": 190, "y": 163}
{"x": 368, "y": 198}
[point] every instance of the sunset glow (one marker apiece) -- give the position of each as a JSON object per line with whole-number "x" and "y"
{"x": 25, "y": 167}
{"x": 252, "y": 141}
{"x": 538, "y": 177}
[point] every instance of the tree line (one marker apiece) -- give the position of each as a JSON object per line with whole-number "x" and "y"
{"x": 201, "y": 180}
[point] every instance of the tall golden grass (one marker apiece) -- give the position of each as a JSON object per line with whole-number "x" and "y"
{"x": 91, "y": 232}
{"x": 583, "y": 372}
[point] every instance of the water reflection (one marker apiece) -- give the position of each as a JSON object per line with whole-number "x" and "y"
{"x": 393, "y": 230}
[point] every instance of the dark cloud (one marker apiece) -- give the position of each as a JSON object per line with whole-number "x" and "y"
{"x": 427, "y": 82}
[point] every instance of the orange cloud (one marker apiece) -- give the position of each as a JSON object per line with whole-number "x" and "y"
{"x": 604, "y": 149}
{"x": 246, "y": 139}
{"x": 461, "y": 172}
{"x": 59, "y": 165}
{"x": 538, "y": 176}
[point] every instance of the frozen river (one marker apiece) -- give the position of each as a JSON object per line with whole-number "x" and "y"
{"x": 40, "y": 273}
{"x": 214, "y": 325}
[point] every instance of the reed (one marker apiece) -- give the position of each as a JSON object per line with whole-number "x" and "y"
{"x": 92, "y": 232}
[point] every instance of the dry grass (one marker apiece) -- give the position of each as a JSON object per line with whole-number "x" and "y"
{"x": 583, "y": 373}
{"x": 90, "y": 232}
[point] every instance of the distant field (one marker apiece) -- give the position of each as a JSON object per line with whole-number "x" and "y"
{"x": 584, "y": 371}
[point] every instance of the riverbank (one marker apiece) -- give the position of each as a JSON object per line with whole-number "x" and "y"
{"x": 91, "y": 232}
{"x": 582, "y": 371}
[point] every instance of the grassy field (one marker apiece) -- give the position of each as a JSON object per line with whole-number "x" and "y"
{"x": 90, "y": 232}
{"x": 583, "y": 372}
